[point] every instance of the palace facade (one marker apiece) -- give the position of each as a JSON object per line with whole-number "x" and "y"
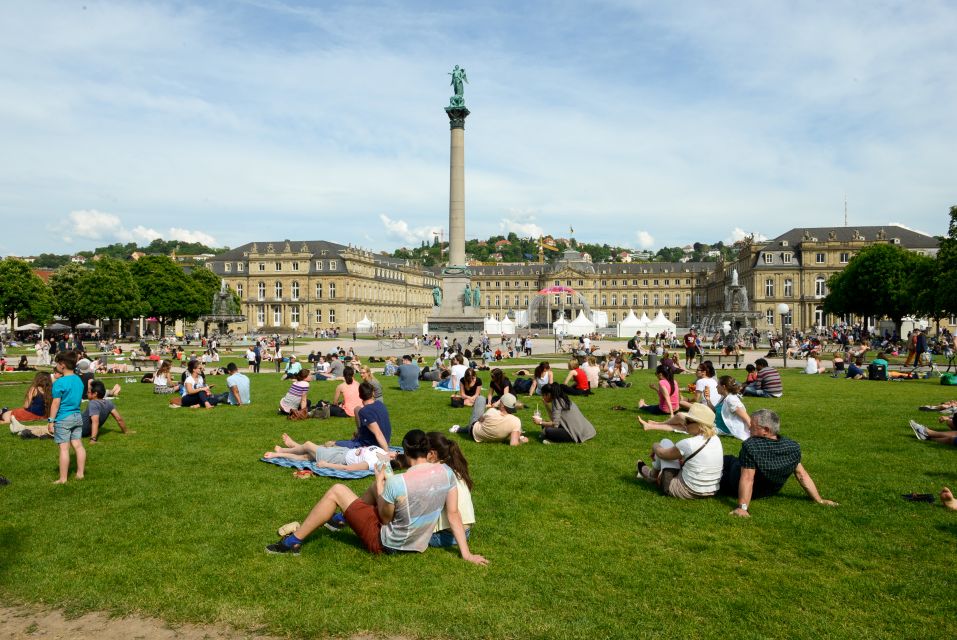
{"x": 308, "y": 285}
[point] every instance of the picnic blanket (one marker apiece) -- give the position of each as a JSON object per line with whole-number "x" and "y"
{"x": 323, "y": 471}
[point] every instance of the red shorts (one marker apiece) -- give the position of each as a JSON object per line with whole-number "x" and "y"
{"x": 23, "y": 415}
{"x": 363, "y": 519}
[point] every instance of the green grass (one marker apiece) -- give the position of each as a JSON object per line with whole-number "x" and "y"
{"x": 171, "y": 522}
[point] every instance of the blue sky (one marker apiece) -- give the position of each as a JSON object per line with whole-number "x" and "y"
{"x": 642, "y": 124}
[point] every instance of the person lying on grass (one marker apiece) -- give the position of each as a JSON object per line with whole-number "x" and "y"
{"x": 691, "y": 468}
{"x": 98, "y": 411}
{"x": 496, "y": 423}
{"x": 949, "y": 406}
{"x": 398, "y": 512}
{"x": 766, "y": 461}
{"x": 330, "y": 455}
{"x": 941, "y": 437}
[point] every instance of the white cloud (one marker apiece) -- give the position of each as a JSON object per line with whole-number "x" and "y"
{"x": 740, "y": 234}
{"x": 400, "y": 229}
{"x": 108, "y": 227}
{"x": 94, "y": 225}
{"x": 187, "y": 235}
{"x": 645, "y": 240}
{"x": 522, "y": 229}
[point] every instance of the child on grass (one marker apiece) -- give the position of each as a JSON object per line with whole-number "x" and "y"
{"x": 66, "y": 421}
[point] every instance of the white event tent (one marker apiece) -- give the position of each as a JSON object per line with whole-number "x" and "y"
{"x": 581, "y": 325}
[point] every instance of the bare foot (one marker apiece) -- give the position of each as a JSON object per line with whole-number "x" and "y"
{"x": 78, "y": 477}
{"x": 59, "y": 482}
{"x": 947, "y": 497}
{"x": 289, "y": 442}
{"x": 270, "y": 454}
{"x": 642, "y": 403}
{"x": 523, "y": 439}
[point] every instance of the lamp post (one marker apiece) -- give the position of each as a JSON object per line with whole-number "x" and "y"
{"x": 783, "y": 310}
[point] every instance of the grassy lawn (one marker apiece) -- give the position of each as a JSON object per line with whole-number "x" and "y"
{"x": 171, "y": 521}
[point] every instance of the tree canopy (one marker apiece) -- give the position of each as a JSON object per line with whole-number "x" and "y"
{"x": 23, "y": 293}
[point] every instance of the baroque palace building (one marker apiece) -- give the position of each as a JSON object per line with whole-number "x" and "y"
{"x": 309, "y": 285}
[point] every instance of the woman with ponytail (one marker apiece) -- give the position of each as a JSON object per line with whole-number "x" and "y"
{"x": 668, "y": 396}
{"x": 447, "y": 452}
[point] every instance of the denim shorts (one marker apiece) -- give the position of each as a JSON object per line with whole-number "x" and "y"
{"x": 444, "y": 538}
{"x": 69, "y": 428}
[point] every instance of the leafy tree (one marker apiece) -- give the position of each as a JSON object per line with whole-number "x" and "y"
{"x": 205, "y": 284}
{"x": 878, "y": 281}
{"x": 670, "y": 254}
{"x": 70, "y": 299}
{"x": 110, "y": 291}
{"x": 168, "y": 294}
{"x": 23, "y": 293}
{"x": 946, "y": 282}
{"x": 50, "y": 261}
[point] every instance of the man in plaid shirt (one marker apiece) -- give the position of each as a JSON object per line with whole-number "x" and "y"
{"x": 766, "y": 461}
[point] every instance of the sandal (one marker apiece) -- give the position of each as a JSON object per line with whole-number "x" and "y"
{"x": 302, "y": 474}
{"x": 618, "y": 407}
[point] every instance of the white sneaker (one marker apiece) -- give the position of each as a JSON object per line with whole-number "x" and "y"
{"x": 15, "y": 425}
{"x": 919, "y": 430}
{"x": 454, "y": 428}
{"x": 546, "y": 441}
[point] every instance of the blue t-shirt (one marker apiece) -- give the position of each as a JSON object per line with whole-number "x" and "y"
{"x": 69, "y": 389}
{"x": 375, "y": 412}
{"x": 241, "y": 382}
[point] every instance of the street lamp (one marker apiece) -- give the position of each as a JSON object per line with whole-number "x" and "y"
{"x": 783, "y": 311}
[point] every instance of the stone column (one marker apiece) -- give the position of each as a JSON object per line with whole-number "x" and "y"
{"x": 457, "y": 117}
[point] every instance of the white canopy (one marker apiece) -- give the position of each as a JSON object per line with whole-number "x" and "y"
{"x": 492, "y": 326}
{"x": 365, "y": 324}
{"x": 600, "y": 318}
{"x": 508, "y": 326}
{"x": 661, "y": 323}
{"x": 630, "y": 325}
{"x": 521, "y": 318}
{"x": 581, "y": 325}
{"x": 560, "y": 326}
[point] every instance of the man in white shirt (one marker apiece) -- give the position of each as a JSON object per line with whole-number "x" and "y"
{"x": 458, "y": 370}
{"x": 238, "y": 385}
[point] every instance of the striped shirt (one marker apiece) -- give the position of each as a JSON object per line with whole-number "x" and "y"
{"x": 293, "y": 398}
{"x": 770, "y": 380}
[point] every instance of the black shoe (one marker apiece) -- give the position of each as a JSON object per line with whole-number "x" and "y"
{"x": 3, "y": 481}
{"x": 279, "y": 547}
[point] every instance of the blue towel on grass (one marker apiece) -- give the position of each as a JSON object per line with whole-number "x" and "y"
{"x": 323, "y": 471}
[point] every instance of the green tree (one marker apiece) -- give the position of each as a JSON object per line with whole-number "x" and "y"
{"x": 23, "y": 293}
{"x": 670, "y": 254}
{"x": 70, "y": 299}
{"x": 205, "y": 284}
{"x": 947, "y": 267}
{"x": 168, "y": 294}
{"x": 111, "y": 291}
{"x": 878, "y": 281}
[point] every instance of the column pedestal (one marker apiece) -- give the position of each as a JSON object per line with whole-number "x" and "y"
{"x": 453, "y": 316}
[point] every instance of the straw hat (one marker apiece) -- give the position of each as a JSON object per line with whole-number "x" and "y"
{"x": 701, "y": 414}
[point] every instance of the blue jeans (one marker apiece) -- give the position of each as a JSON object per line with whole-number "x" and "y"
{"x": 444, "y": 538}
{"x": 757, "y": 393}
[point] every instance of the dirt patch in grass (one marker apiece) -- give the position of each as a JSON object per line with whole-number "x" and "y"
{"x": 23, "y": 622}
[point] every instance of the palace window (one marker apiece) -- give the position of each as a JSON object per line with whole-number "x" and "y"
{"x": 333, "y": 265}
{"x": 262, "y": 266}
{"x": 239, "y": 291}
{"x": 318, "y": 316}
{"x": 644, "y": 300}
{"x": 332, "y": 316}
{"x": 278, "y": 290}
{"x": 768, "y": 258}
{"x": 295, "y": 290}
{"x": 332, "y": 295}
{"x": 294, "y": 313}
{"x": 786, "y": 258}
{"x": 677, "y": 299}
{"x": 240, "y": 267}
{"x": 262, "y": 290}
{"x": 769, "y": 316}
{"x": 820, "y": 286}
{"x": 634, "y": 300}
{"x": 276, "y": 315}
{"x": 819, "y": 258}
{"x": 788, "y": 288}
{"x": 845, "y": 257}
{"x": 318, "y": 265}
{"x": 261, "y": 315}
{"x": 227, "y": 267}
{"x": 295, "y": 266}
{"x": 656, "y": 300}
{"x": 278, "y": 266}
{"x": 769, "y": 288}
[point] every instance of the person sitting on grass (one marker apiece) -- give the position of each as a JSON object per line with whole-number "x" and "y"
{"x": 592, "y": 371}
{"x": 692, "y": 467}
{"x": 24, "y": 365}
{"x": 36, "y": 401}
{"x": 397, "y": 513}
{"x": 346, "y": 399}
{"x": 330, "y": 455}
{"x": 163, "y": 380}
{"x": 565, "y": 422}
{"x": 84, "y": 369}
{"x": 367, "y": 376}
{"x": 373, "y": 425}
{"x": 470, "y": 388}
{"x": 731, "y": 418}
{"x": 768, "y": 382}
{"x": 498, "y": 386}
{"x": 448, "y": 453}
{"x": 196, "y": 393}
{"x": 495, "y": 422}
{"x": 98, "y": 411}
{"x": 292, "y": 368}
{"x": 297, "y": 398}
{"x": 238, "y": 385}
{"x": 855, "y": 369}
{"x": 578, "y": 378}
{"x": 705, "y": 383}
{"x": 668, "y": 394}
{"x": 766, "y": 461}
{"x": 948, "y": 437}
{"x": 543, "y": 375}
{"x": 408, "y": 374}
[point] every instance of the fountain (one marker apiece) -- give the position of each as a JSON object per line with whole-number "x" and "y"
{"x": 736, "y": 315}
{"x": 224, "y": 311}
